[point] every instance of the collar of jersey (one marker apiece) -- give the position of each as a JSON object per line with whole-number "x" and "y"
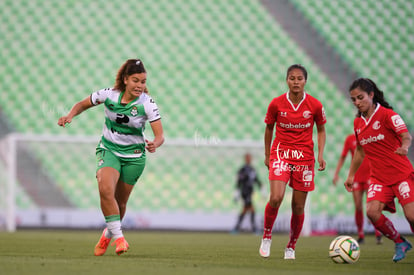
{"x": 370, "y": 118}
{"x": 129, "y": 103}
{"x": 291, "y": 103}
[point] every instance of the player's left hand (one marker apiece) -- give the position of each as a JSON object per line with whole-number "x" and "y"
{"x": 322, "y": 165}
{"x": 150, "y": 146}
{"x": 401, "y": 151}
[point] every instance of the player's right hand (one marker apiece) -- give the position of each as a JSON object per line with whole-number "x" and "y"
{"x": 64, "y": 120}
{"x": 266, "y": 161}
{"x": 348, "y": 184}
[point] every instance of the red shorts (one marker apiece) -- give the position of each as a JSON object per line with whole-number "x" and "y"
{"x": 299, "y": 176}
{"x": 403, "y": 190}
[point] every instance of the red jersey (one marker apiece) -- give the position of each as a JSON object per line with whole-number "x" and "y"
{"x": 379, "y": 137}
{"x": 294, "y": 127}
{"x": 363, "y": 173}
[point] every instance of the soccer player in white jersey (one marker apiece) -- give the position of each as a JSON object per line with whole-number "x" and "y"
{"x": 120, "y": 154}
{"x": 383, "y": 138}
{"x": 290, "y": 158}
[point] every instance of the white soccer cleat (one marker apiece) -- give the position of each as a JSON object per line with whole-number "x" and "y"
{"x": 265, "y": 248}
{"x": 289, "y": 254}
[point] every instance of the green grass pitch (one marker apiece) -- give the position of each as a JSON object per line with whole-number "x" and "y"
{"x": 71, "y": 252}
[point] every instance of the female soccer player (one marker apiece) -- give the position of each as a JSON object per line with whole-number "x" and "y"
{"x": 291, "y": 157}
{"x": 383, "y": 138}
{"x": 120, "y": 154}
{"x": 360, "y": 186}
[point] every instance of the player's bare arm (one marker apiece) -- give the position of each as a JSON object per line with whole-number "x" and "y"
{"x": 157, "y": 129}
{"x": 321, "y": 146}
{"x": 268, "y": 142}
{"x": 405, "y": 144}
{"x": 355, "y": 163}
{"x": 78, "y": 108}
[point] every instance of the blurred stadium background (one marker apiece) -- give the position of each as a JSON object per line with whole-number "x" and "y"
{"x": 213, "y": 67}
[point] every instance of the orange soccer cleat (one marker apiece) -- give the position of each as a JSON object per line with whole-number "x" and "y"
{"x": 102, "y": 245}
{"x": 121, "y": 245}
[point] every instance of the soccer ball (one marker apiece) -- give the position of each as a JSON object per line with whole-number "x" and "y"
{"x": 344, "y": 250}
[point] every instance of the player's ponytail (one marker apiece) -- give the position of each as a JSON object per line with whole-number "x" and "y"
{"x": 367, "y": 85}
{"x": 131, "y": 66}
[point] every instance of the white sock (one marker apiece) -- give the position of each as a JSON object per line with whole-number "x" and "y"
{"x": 114, "y": 229}
{"x": 108, "y": 234}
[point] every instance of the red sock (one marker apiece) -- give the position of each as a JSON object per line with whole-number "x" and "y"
{"x": 359, "y": 221}
{"x": 385, "y": 226}
{"x": 296, "y": 224}
{"x": 270, "y": 215}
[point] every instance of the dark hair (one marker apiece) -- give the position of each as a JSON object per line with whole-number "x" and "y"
{"x": 130, "y": 67}
{"x": 297, "y": 66}
{"x": 367, "y": 85}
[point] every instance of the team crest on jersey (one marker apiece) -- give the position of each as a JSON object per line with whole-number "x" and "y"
{"x": 307, "y": 114}
{"x": 376, "y": 125}
{"x": 134, "y": 111}
{"x": 397, "y": 120}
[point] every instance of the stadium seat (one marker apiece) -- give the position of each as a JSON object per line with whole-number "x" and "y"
{"x": 213, "y": 68}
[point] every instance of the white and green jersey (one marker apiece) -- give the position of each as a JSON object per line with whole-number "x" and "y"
{"x": 125, "y": 124}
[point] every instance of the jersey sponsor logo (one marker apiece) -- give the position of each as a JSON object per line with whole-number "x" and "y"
{"x": 307, "y": 114}
{"x": 121, "y": 118}
{"x": 376, "y": 125}
{"x": 371, "y": 139}
{"x": 283, "y": 166}
{"x": 397, "y": 121}
{"x": 294, "y": 126}
{"x": 288, "y": 154}
{"x": 404, "y": 189}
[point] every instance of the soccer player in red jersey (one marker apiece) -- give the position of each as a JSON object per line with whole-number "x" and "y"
{"x": 359, "y": 187}
{"x": 290, "y": 158}
{"x": 383, "y": 138}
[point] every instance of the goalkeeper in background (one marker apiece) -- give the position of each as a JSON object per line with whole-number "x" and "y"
{"x": 246, "y": 179}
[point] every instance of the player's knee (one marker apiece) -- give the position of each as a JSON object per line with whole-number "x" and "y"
{"x": 105, "y": 192}
{"x": 410, "y": 217}
{"x": 275, "y": 200}
{"x": 298, "y": 209}
{"x": 373, "y": 214}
